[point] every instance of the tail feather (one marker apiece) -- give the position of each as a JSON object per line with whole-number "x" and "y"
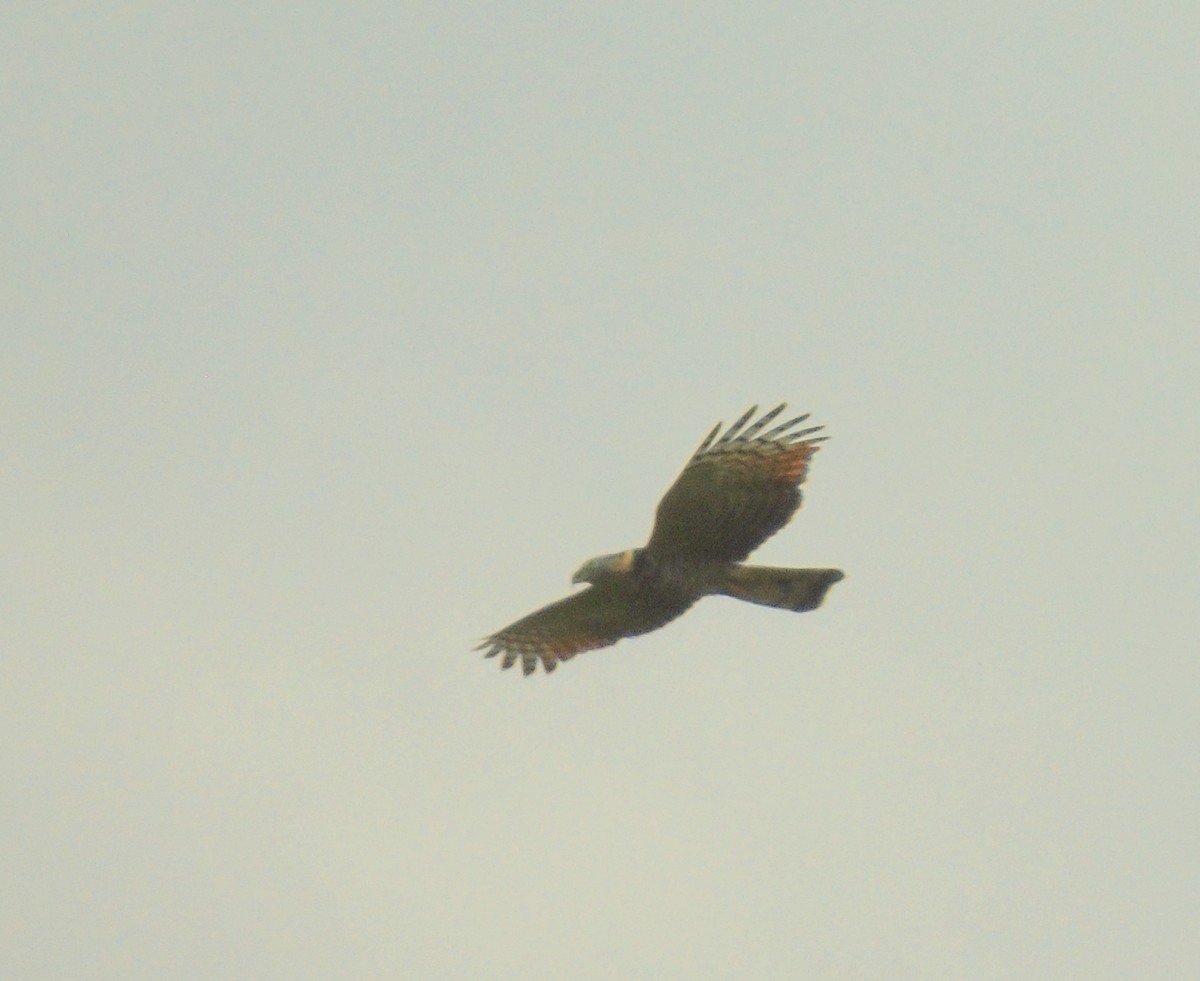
{"x": 788, "y": 589}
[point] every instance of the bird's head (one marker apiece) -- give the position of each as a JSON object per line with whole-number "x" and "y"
{"x": 605, "y": 567}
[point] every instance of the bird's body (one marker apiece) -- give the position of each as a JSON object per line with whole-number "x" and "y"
{"x": 734, "y": 493}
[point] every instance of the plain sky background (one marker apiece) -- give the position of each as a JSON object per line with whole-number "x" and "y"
{"x": 336, "y": 336}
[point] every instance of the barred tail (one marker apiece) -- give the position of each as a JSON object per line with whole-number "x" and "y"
{"x": 788, "y": 589}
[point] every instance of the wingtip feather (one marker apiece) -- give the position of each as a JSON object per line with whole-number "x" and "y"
{"x": 758, "y": 425}
{"x": 732, "y": 432}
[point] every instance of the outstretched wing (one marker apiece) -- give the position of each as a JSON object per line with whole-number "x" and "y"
{"x": 736, "y": 491}
{"x": 596, "y": 617}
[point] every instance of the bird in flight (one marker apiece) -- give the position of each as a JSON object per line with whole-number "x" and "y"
{"x": 738, "y": 489}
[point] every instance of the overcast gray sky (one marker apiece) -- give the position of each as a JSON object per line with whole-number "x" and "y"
{"x": 336, "y": 336}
